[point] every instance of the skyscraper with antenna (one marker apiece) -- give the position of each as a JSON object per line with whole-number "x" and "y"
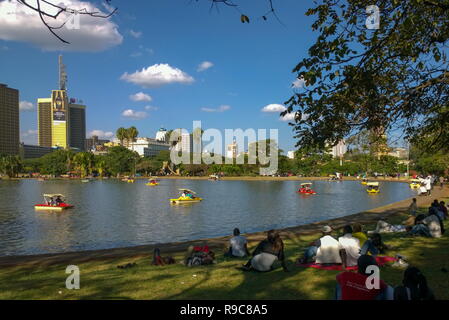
{"x": 61, "y": 122}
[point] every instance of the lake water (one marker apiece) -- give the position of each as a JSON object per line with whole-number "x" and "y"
{"x": 110, "y": 214}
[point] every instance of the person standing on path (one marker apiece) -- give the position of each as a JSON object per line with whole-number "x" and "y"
{"x": 441, "y": 182}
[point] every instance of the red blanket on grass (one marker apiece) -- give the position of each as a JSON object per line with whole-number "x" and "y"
{"x": 380, "y": 261}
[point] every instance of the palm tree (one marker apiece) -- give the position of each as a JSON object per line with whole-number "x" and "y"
{"x": 83, "y": 162}
{"x": 10, "y": 165}
{"x": 131, "y": 135}
{"x": 121, "y": 134}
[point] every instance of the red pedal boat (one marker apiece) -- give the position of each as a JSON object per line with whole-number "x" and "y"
{"x": 305, "y": 188}
{"x": 53, "y": 202}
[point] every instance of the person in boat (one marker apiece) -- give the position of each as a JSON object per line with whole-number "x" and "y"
{"x": 266, "y": 253}
{"x": 52, "y": 202}
{"x": 58, "y": 201}
{"x": 189, "y": 194}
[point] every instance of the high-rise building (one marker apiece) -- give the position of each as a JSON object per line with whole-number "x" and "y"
{"x": 161, "y": 135}
{"x": 77, "y": 126}
{"x": 9, "y": 120}
{"x": 232, "y": 149}
{"x": 61, "y": 122}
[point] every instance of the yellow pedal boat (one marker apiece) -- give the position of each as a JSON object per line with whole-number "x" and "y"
{"x": 372, "y": 187}
{"x": 151, "y": 184}
{"x": 415, "y": 184}
{"x": 186, "y": 199}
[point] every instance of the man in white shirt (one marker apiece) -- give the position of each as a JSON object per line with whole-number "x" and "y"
{"x": 351, "y": 246}
{"x": 326, "y": 250}
{"x": 238, "y": 245}
{"x": 432, "y": 221}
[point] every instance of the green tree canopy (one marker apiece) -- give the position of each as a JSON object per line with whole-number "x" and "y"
{"x": 394, "y": 77}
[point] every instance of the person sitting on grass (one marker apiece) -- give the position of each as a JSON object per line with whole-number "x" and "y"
{"x": 351, "y": 246}
{"x": 414, "y": 286}
{"x": 374, "y": 246}
{"x": 357, "y": 232}
{"x": 353, "y": 286}
{"x": 385, "y": 227}
{"x": 238, "y": 245}
{"x": 434, "y": 223}
{"x": 326, "y": 250}
{"x": 266, "y": 253}
{"x": 420, "y": 229}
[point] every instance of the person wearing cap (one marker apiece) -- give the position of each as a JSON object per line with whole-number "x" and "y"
{"x": 353, "y": 286}
{"x": 326, "y": 250}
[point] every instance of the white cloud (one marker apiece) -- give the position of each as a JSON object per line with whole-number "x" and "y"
{"x": 221, "y": 108}
{"x": 274, "y": 107}
{"x": 135, "y": 34}
{"x": 29, "y": 137}
{"x": 151, "y": 108}
{"x": 22, "y": 24}
{"x": 204, "y": 66}
{"x": 134, "y": 115}
{"x": 140, "y": 96}
{"x": 141, "y": 51}
{"x": 26, "y": 106}
{"x": 101, "y": 134}
{"x": 298, "y": 83}
{"x": 288, "y": 117}
{"x": 157, "y": 75}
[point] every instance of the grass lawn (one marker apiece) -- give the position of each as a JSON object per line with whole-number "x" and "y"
{"x": 103, "y": 280}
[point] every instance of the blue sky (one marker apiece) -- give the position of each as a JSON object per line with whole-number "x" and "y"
{"x": 251, "y": 66}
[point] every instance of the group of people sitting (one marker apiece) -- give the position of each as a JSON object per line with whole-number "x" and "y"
{"x": 353, "y": 285}
{"x": 354, "y": 248}
{"x": 426, "y": 225}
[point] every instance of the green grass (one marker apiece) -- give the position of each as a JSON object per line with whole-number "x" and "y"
{"x": 103, "y": 280}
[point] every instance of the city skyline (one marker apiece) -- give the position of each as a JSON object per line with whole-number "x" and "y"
{"x": 220, "y": 83}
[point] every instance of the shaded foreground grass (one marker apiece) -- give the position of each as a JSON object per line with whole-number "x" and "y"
{"x": 101, "y": 279}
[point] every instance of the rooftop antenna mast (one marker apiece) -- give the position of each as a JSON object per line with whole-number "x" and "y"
{"x": 62, "y": 74}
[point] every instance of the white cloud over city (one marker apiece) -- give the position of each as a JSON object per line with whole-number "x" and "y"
{"x": 204, "y": 66}
{"x": 22, "y": 24}
{"x": 26, "y": 106}
{"x": 134, "y": 115}
{"x": 29, "y": 137}
{"x": 140, "y": 96}
{"x": 274, "y": 107}
{"x": 221, "y": 108}
{"x": 157, "y": 75}
{"x": 101, "y": 134}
